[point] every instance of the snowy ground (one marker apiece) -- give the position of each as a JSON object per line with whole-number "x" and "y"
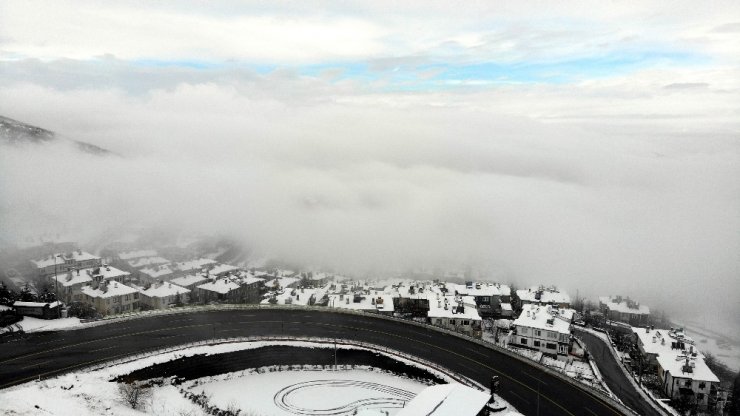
{"x": 257, "y": 392}
{"x": 31, "y": 324}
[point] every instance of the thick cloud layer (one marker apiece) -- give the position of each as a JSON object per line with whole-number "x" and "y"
{"x": 380, "y": 182}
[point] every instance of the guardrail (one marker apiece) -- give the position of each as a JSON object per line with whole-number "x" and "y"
{"x": 227, "y": 307}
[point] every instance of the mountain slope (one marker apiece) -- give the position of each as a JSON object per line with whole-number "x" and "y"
{"x": 14, "y": 132}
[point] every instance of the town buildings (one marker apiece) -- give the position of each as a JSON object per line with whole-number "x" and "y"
{"x": 543, "y": 328}
{"x": 69, "y": 284}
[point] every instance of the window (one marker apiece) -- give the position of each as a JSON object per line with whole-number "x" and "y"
{"x": 465, "y": 323}
{"x": 550, "y": 346}
{"x": 536, "y": 343}
{"x": 687, "y": 383}
{"x": 702, "y": 385}
{"x": 538, "y": 332}
{"x": 523, "y": 341}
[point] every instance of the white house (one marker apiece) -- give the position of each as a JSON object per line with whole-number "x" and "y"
{"x": 63, "y": 262}
{"x": 456, "y": 313}
{"x": 111, "y": 298}
{"x": 681, "y": 367}
{"x": 542, "y": 328}
{"x": 190, "y": 281}
{"x": 624, "y": 309}
{"x": 71, "y": 282}
{"x": 160, "y": 295}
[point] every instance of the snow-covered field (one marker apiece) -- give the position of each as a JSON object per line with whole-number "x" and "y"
{"x": 266, "y": 391}
{"x": 307, "y": 392}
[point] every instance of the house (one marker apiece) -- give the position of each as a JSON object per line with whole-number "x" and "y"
{"x": 48, "y": 310}
{"x": 243, "y": 288}
{"x": 161, "y": 295}
{"x": 506, "y": 310}
{"x": 110, "y": 298}
{"x": 63, "y": 262}
{"x": 413, "y": 300}
{"x": 625, "y": 310}
{"x": 71, "y": 282}
{"x": 190, "y": 281}
{"x": 456, "y": 313}
{"x": 488, "y": 296}
{"x": 363, "y": 301}
{"x": 544, "y": 295}
{"x": 542, "y": 328}
{"x": 681, "y": 368}
{"x": 154, "y": 273}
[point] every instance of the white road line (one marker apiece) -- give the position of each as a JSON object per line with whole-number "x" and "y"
{"x": 477, "y": 352}
{"x": 103, "y": 349}
{"x": 590, "y": 411}
{"x": 534, "y": 378}
{"x": 519, "y": 397}
{"x": 36, "y": 365}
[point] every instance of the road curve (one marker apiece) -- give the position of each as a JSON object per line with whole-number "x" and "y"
{"x": 532, "y": 390}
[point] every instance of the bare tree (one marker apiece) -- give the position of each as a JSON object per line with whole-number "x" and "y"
{"x": 134, "y": 393}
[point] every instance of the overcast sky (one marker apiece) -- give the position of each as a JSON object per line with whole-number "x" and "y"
{"x": 591, "y": 145}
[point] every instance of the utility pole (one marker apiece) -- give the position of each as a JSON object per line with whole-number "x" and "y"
{"x": 56, "y": 285}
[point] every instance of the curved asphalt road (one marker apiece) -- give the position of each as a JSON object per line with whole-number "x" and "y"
{"x": 48, "y": 353}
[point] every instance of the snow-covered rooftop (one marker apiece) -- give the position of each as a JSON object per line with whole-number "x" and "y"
{"x": 129, "y": 255}
{"x": 365, "y": 304}
{"x": 446, "y": 399}
{"x": 675, "y": 363}
{"x": 481, "y": 289}
{"x": 536, "y": 316}
{"x": 162, "y": 290}
{"x": 157, "y": 271}
{"x": 113, "y": 289}
{"x": 447, "y": 307}
{"x": 85, "y": 275}
{"x": 659, "y": 341}
{"x": 624, "y": 306}
{"x": 282, "y": 281}
{"x": 36, "y": 304}
{"x": 194, "y": 264}
{"x": 74, "y": 277}
{"x": 547, "y": 295}
{"x": 222, "y": 286}
{"x": 147, "y": 261}
{"x": 78, "y": 255}
{"x": 222, "y": 268}
{"x": 188, "y": 280}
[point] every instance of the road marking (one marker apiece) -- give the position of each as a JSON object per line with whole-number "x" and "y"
{"x": 247, "y": 316}
{"x": 590, "y": 411}
{"x": 519, "y": 397}
{"x": 36, "y": 365}
{"x": 103, "y": 349}
{"x": 50, "y": 342}
{"x": 533, "y": 377}
{"x": 477, "y": 352}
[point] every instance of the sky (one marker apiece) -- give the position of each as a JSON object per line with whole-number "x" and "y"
{"x": 591, "y": 145}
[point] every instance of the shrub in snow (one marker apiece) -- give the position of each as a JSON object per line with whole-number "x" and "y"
{"x": 134, "y": 393}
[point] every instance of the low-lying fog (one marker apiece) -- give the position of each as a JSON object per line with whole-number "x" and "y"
{"x": 384, "y": 182}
